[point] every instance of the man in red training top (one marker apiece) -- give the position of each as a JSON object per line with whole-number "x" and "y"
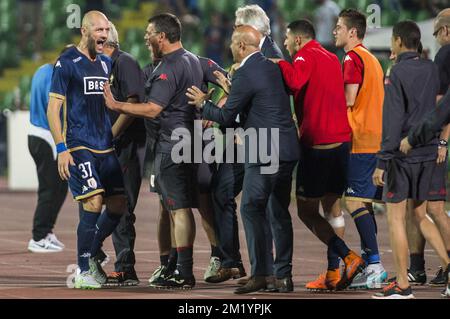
{"x": 315, "y": 79}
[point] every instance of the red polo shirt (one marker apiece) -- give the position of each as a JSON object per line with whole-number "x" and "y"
{"x": 316, "y": 80}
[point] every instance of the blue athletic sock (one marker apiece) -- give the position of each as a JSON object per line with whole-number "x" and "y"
{"x": 106, "y": 224}
{"x": 333, "y": 259}
{"x": 338, "y": 246}
{"x": 367, "y": 232}
{"x": 185, "y": 261}
{"x": 85, "y": 235}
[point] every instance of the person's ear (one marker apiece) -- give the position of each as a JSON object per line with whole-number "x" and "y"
{"x": 298, "y": 41}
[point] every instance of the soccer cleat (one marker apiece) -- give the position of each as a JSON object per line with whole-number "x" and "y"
{"x": 159, "y": 275}
{"x": 393, "y": 291}
{"x": 86, "y": 281}
{"x": 119, "y": 279}
{"x": 415, "y": 277}
{"x": 326, "y": 281}
{"x": 176, "y": 281}
{"x": 439, "y": 279}
{"x": 52, "y": 238}
{"x": 43, "y": 246}
{"x": 353, "y": 266}
{"x": 371, "y": 278}
{"x": 103, "y": 258}
{"x": 97, "y": 271}
{"x": 213, "y": 268}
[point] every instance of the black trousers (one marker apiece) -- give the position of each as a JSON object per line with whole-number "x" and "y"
{"x": 124, "y": 236}
{"x": 227, "y": 184}
{"x": 262, "y": 193}
{"x": 52, "y": 189}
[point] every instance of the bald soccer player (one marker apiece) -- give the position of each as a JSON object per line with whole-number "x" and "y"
{"x": 83, "y": 139}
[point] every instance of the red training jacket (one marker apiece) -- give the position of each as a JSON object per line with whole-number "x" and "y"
{"x": 316, "y": 80}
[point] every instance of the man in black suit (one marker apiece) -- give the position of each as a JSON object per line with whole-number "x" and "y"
{"x": 228, "y": 180}
{"x": 258, "y": 91}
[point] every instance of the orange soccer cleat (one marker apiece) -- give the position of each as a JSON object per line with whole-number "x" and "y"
{"x": 354, "y": 264}
{"x": 326, "y": 281}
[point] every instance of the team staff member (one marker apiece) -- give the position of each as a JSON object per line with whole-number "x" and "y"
{"x": 127, "y": 85}
{"x": 176, "y": 183}
{"x": 227, "y": 183}
{"x": 52, "y": 189}
{"x": 436, "y": 208}
{"x": 315, "y": 78}
{"x": 410, "y": 94}
{"x": 82, "y": 134}
{"x": 364, "y": 92}
{"x": 257, "y": 90}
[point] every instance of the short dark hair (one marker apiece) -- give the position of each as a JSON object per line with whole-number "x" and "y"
{"x": 409, "y": 32}
{"x": 169, "y": 24}
{"x": 303, "y": 27}
{"x": 355, "y": 19}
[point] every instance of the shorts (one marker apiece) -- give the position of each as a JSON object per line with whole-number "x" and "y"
{"x": 94, "y": 174}
{"x": 175, "y": 183}
{"x": 418, "y": 181}
{"x": 322, "y": 172}
{"x": 360, "y": 186}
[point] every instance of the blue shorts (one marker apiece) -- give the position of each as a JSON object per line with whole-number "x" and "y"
{"x": 94, "y": 174}
{"x": 359, "y": 178}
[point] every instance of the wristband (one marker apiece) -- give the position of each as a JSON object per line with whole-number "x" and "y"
{"x": 61, "y": 147}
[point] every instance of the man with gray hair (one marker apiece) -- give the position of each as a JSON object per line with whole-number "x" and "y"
{"x": 229, "y": 180}
{"x": 255, "y": 16}
{"x": 127, "y": 85}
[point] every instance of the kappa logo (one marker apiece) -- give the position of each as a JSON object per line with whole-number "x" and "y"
{"x": 347, "y": 58}
{"x": 350, "y": 191}
{"x": 94, "y": 85}
{"x": 58, "y": 64}
{"x": 92, "y": 183}
{"x": 84, "y": 189}
{"x": 300, "y": 58}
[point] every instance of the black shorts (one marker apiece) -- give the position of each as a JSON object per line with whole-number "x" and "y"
{"x": 175, "y": 183}
{"x": 322, "y": 172}
{"x": 418, "y": 181}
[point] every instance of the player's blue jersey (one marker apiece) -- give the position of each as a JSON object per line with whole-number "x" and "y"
{"x": 79, "y": 82}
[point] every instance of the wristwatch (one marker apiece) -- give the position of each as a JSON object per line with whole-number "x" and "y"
{"x": 443, "y": 143}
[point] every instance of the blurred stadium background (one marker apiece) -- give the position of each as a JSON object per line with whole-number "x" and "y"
{"x": 32, "y": 32}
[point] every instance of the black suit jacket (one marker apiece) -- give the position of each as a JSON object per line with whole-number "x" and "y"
{"x": 258, "y": 91}
{"x": 270, "y": 49}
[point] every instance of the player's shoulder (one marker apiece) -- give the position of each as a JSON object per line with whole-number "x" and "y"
{"x": 69, "y": 58}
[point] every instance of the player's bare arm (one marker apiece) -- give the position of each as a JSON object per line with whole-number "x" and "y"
{"x": 123, "y": 121}
{"x": 351, "y": 91}
{"x": 54, "y": 121}
{"x": 147, "y": 110}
